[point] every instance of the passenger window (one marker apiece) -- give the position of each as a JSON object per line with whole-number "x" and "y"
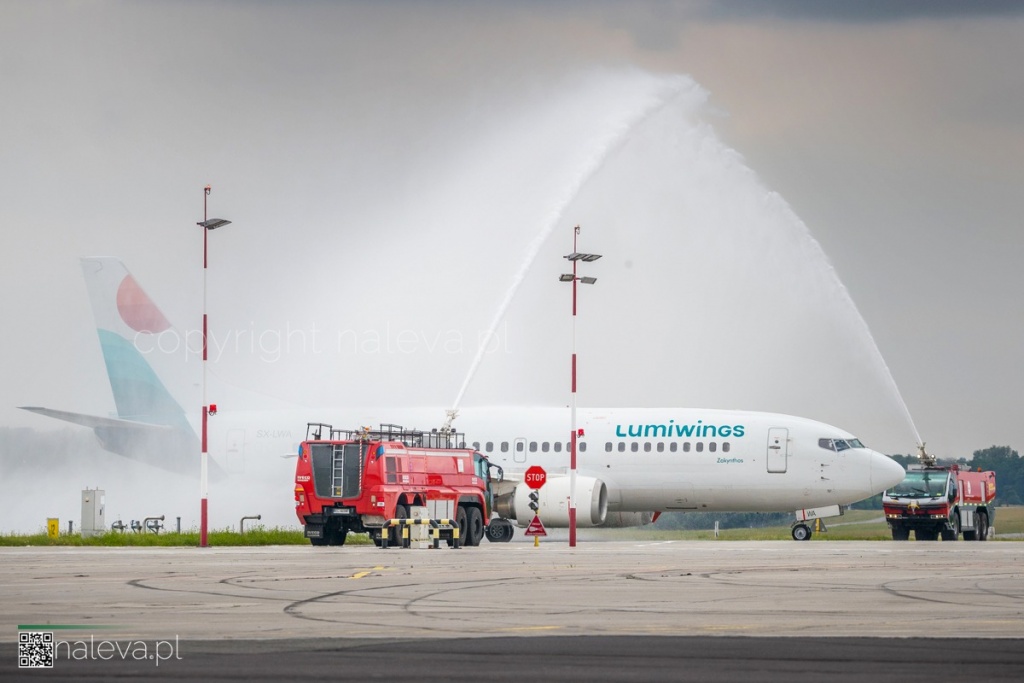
{"x": 686, "y": 447}
{"x": 622, "y": 447}
{"x": 647, "y": 446}
{"x": 712, "y": 446}
{"x": 582, "y": 445}
{"x": 520, "y": 446}
{"x": 608, "y": 447}
{"x": 673, "y": 446}
{"x": 634, "y": 447}
{"x": 725, "y": 447}
{"x": 700, "y": 446}
{"x": 533, "y": 446}
{"x": 558, "y": 447}
{"x": 661, "y": 447}
{"x": 490, "y": 446}
{"x": 476, "y": 445}
{"x": 544, "y": 447}
{"x": 504, "y": 446}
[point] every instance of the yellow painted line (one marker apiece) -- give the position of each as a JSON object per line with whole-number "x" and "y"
{"x": 359, "y": 575}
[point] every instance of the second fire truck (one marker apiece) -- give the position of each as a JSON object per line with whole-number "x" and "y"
{"x": 944, "y": 502}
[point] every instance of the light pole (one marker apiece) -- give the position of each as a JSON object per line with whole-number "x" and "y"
{"x": 207, "y": 225}
{"x": 574, "y": 257}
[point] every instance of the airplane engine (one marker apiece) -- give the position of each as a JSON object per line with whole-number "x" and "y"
{"x": 553, "y": 501}
{"x": 618, "y": 520}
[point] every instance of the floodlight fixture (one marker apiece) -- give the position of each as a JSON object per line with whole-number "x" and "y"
{"x": 578, "y": 256}
{"x": 213, "y": 223}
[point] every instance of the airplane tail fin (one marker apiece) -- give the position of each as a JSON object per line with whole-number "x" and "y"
{"x": 126, "y": 316}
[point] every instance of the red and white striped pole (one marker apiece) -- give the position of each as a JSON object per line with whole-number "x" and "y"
{"x": 572, "y": 409}
{"x": 204, "y": 487}
{"x": 207, "y": 225}
{"x": 575, "y": 433}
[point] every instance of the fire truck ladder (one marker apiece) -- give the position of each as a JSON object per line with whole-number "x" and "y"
{"x": 338, "y": 471}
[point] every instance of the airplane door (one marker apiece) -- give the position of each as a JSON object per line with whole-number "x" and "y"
{"x": 778, "y": 449}
{"x": 519, "y": 450}
{"x": 234, "y": 451}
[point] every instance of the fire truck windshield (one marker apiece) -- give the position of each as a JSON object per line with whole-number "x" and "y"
{"x": 920, "y": 485}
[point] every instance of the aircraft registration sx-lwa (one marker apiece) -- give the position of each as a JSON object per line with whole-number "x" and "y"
{"x": 633, "y": 462}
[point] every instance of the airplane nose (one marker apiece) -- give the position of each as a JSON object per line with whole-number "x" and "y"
{"x": 885, "y": 472}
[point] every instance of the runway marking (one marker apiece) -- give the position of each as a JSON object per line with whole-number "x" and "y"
{"x": 359, "y": 575}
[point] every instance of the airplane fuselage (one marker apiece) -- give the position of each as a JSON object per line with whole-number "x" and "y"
{"x": 645, "y": 459}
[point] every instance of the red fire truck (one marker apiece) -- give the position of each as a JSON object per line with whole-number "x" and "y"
{"x": 935, "y": 501}
{"x": 356, "y": 480}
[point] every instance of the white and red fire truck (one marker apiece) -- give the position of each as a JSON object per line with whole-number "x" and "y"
{"x": 358, "y": 480}
{"x": 937, "y": 501}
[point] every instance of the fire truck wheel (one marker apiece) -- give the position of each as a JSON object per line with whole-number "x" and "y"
{"x": 499, "y": 531}
{"x": 474, "y": 526}
{"x": 954, "y": 533}
{"x": 982, "y": 524}
{"x": 337, "y": 535}
{"x": 461, "y": 521}
{"x": 395, "y": 532}
{"x": 900, "y": 534}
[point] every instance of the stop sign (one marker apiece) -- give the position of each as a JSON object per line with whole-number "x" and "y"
{"x": 535, "y": 476}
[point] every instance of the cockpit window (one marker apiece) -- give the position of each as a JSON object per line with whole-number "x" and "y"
{"x": 839, "y": 444}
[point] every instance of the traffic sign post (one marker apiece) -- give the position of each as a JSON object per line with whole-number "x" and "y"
{"x": 536, "y": 528}
{"x": 535, "y": 477}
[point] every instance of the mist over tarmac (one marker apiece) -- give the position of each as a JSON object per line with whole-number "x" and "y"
{"x": 398, "y": 174}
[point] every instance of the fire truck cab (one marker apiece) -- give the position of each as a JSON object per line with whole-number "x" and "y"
{"x": 356, "y": 480}
{"x": 935, "y": 501}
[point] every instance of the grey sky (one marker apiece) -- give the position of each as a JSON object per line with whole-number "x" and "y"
{"x": 386, "y": 166}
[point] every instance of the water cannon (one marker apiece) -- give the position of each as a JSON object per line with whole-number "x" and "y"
{"x": 926, "y": 459}
{"x": 446, "y": 428}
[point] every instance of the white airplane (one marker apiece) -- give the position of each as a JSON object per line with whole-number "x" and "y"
{"x": 633, "y": 463}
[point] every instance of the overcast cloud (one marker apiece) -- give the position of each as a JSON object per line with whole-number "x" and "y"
{"x": 387, "y": 166}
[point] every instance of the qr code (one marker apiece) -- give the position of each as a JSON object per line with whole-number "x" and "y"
{"x": 35, "y": 650}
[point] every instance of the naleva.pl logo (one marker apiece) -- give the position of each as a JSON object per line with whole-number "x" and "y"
{"x": 43, "y": 646}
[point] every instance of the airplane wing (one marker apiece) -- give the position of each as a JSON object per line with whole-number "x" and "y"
{"x": 143, "y": 441}
{"x": 94, "y": 421}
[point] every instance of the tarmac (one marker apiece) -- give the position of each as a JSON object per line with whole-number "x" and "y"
{"x": 701, "y": 607}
